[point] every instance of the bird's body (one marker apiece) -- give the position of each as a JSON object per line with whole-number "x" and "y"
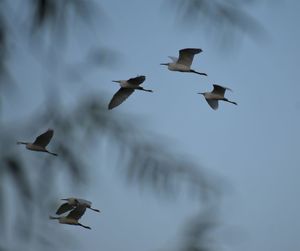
{"x": 127, "y": 88}
{"x": 40, "y": 142}
{"x": 33, "y": 147}
{"x": 73, "y": 217}
{"x": 184, "y": 62}
{"x": 72, "y": 203}
{"x": 215, "y": 95}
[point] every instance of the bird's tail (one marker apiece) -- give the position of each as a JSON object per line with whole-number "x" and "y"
{"x": 200, "y": 73}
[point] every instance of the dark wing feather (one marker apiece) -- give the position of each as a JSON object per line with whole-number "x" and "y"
{"x": 220, "y": 90}
{"x": 186, "y": 56}
{"x": 77, "y": 212}
{"x": 213, "y": 103}
{"x": 137, "y": 80}
{"x": 44, "y": 139}
{"x": 64, "y": 208}
{"x": 120, "y": 96}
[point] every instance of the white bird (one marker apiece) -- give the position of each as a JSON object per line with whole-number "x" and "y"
{"x": 215, "y": 95}
{"x": 127, "y": 88}
{"x": 73, "y": 203}
{"x": 40, "y": 142}
{"x": 184, "y": 62}
{"x": 73, "y": 217}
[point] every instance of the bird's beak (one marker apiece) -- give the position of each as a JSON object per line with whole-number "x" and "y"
{"x": 65, "y": 199}
{"x": 116, "y": 81}
{"x": 201, "y": 93}
{"x": 164, "y": 64}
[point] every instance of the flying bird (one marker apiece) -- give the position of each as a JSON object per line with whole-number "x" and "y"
{"x": 127, "y": 88}
{"x": 73, "y": 203}
{"x": 215, "y": 95}
{"x": 184, "y": 62}
{"x": 40, "y": 142}
{"x": 73, "y": 217}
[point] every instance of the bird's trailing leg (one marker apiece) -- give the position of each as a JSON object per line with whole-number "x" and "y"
{"x": 54, "y": 154}
{"x": 87, "y": 227}
{"x": 200, "y": 73}
{"x": 142, "y": 89}
{"x": 94, "y": 209}
{"x": 232, "y": 102}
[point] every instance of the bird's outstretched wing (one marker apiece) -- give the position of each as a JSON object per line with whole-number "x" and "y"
{"x": 64, "y": 208}
{"x": 214, "y": 104}
{"x": 120, "y": 96}
{"x": 77, "y": 212}
{"x": 220, "y": 90}
{"x": 44, "y": 139}
{"x": 137, "y": 80}
{"x": 186, "y": 56}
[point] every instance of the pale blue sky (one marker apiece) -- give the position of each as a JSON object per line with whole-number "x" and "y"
{"x": 254, "y": 146}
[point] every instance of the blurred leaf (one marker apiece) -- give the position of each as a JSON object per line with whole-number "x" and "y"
{"x": 224, "y": 19}
{"x": 17, "y": 173}
{"x": 200, "y": 230}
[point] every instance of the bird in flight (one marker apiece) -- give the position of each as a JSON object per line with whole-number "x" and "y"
{"x": 73, "y": 217}
{"x": 184, "y": 62}
{"x": 215, "y": 95}
{"x": 73, "y": 203}
{"x": 127, "y": 88}
{"x": 40, "y": 142}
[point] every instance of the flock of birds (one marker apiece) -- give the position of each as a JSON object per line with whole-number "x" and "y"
{"x": 77, "y": 207}
{"x": 181, "y": 64}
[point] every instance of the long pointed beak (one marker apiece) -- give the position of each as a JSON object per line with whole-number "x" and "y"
{"x": 164, "y": 64}
{"x": 65, "y": 199}
{"x": 201, "y": 93}
{"x": 20, "y": 142}
{"x": 116, "y": 81}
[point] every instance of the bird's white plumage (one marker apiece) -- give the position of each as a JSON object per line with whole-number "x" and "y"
{"x": 184, "y": 62}
{"x": 215, "y": 95}
{"x": 40, "y": 142}
{"x": 127, "y": 88}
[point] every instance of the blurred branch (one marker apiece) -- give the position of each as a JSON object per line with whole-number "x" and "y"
{"x": 199, "y": 232}
{"x": 225, "y": 19}
{"x": 57, "y": 12}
